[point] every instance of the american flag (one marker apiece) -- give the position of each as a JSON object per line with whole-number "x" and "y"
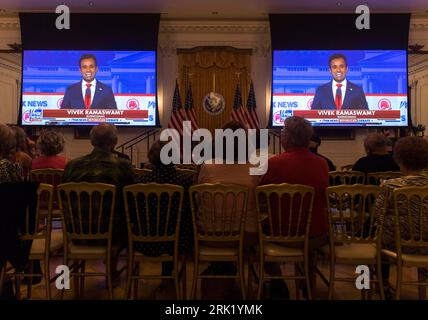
{"x": 177, "y": 114}
{"x": 251, "y": 115}
{"x": 190, "y": 109}
{"x": 238, "y": 112}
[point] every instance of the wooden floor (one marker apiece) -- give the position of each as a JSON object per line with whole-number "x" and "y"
{"x": 95, "y": 287}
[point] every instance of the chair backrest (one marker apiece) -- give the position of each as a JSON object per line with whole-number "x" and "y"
{"x": 35, "y": 226}
{"x": 87, "y": 210}
{"x": 218, "y": 211}
{"x": 346, "y": 177}
{"x": 351, "y": 214}
{"x": 50, "y": 176}
{"x": 376, "y": 178}
{"x": 284, "y": 211}
{"x": 141, "y": 172}
{"x": 411, "y": 217}
{"x": 153, "y": 212}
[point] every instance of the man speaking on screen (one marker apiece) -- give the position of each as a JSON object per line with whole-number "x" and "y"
{"x": 89, "y": 93}
{"x": 339, "y": 93}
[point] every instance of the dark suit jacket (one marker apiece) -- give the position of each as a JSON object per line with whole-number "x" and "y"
{"x": 103, "y": 97}
{"x": 354, "y": 98}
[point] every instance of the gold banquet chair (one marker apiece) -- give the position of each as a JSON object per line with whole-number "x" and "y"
{"x": 411, "y": 233}
{"x": 37, "y": 229}
{"x": 88, "y": 212}
{"x": 153, "y": 214}
{"x": 355, "y": 236}
{"x": 284, "y": 213}
{"x": 346, "y": 177}
{"x": 53, "y": 177}
{"x": 376, "y": 178}
{"x": 218, "y": 212}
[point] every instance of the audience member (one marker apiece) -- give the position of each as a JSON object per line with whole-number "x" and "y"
{"x": 297, "y": 165}
{"x": 49, "y": 145}
{"x": 22, "y": 153}
{"x": 10, "y": 171}
{"x": 378, "y": 158}
{"x": 411, "y": 154}
{"x": 102, "y": 166}
{"x": 313, "y": 147}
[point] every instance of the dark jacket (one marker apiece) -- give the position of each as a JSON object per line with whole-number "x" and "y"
{"x": 354, "y": 98}
{"x": 103, "y": 97}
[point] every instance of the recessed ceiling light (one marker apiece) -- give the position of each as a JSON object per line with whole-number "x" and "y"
{"x": 339, "y": 3}
{"x": 91, "y": 4}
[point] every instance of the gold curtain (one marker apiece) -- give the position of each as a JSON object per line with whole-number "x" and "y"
{"x": 214, "y": 69}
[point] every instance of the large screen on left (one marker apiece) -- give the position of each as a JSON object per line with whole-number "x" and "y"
{"x": 81, "y": 87}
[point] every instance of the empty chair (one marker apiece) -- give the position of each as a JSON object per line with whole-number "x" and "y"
{"x": 88, "y": 212}
{"x": 52, "y": 177}
{"x": 355, "y": 235}
{"x": 153, "y": 213}
{"x": 284, "y": 212}
{"x": 218, "y": 218}
{"x": 36, "y": 240}
{"x": 411, "y": 235}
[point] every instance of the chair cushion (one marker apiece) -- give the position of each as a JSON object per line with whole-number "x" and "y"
{"x": 415, "y": 259}
{"x": 273, "y": 249}
{"x": 356, "y": 251}
{"x": 83, "y": 249}
{"x": 408, "y": 259}
{"x": 217, "y": 251}
{"x": 57, "y": 242}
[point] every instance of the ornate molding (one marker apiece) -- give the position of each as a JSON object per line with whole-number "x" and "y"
{"x": 256, "y": 26}
{"x": 418, "y": 23}
{"x": 8, "y": 23}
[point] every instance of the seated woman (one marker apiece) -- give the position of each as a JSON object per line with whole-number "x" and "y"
{"x": 49, "y": 145}
{"x": 22, "y": 153}
{"x": 162, "y": 173}
{"x": 10, "y": 171}
{"x": 411, "y": 154}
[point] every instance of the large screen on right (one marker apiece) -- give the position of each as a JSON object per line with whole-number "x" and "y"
{"x": 340, "y": 87}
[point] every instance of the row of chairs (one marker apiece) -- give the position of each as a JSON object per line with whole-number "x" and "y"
{"x": 219, "y": 218}
{"x": 358, "y": 177}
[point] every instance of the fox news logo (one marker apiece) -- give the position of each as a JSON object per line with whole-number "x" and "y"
{"x": 32, "y": 115}
{"x": 384, "y": 104}
{"x": 132, "y": 104}
{"x": 286, "y": 104}
{"x": 280, "y": 116}
{"x": 35, "y": 103}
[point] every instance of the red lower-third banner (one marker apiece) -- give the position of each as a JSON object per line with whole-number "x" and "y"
{"x": 106, "y": 113}
{"x": 357, "y": 114}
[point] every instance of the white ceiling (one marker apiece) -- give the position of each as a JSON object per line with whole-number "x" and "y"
{"x": 217, "y": 8}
